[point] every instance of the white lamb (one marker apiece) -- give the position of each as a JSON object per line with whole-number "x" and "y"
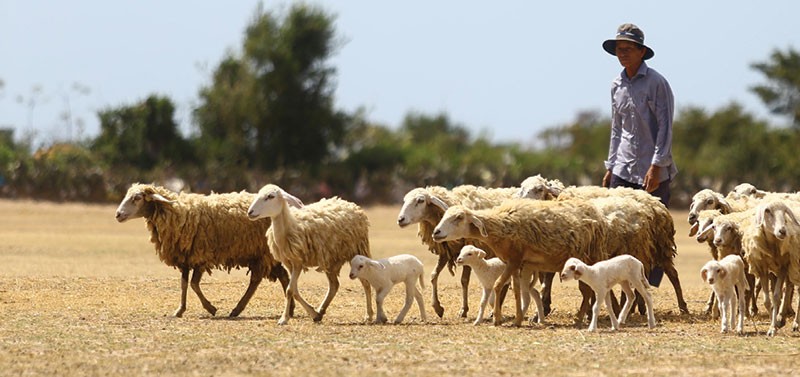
{"x": 624, "y": 270}
{"x": 383, "y": 274}
{"x": 726, "y": 278}
{"x": 488, "y": 270}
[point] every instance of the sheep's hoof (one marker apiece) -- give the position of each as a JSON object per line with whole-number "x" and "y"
{"x": 439, "y": 310}
{"x": 179, "y": 313}
{"x": 283, "y": 321}
{"x": 771, "y": 332}
{"x": 463, "y": 312}
{"x": 318, "y": 317}
{"x": 380, "y": 321}
{"x": 235, "y": 313}
{"x": 781, "y": 321}
{"x": 684, "y": 309}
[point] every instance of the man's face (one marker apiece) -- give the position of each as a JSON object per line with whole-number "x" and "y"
{"x": 629, "y": 54}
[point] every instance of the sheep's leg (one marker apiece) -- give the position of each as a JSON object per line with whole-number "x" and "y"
{"x": 518, "y": 317}
{"x": 333, "y": 287}
{"x": 740, "y": 302}
{"x": 630, "y": 298}
{"x": 485, "y": 297}
{"x": 368, "y": 295}
{"x": 777, "y": 291}
{"x": 587, "y": 294}
{"x": 796, "y": 324}
{"x": 196, "y": 276}
{"x": 498, "y": 288}
{"x": 525, "y": 287}
{"x": 786, "y": 303}
{"x": 672, "y": 274}
{"x": 610, "y": 308}
{"x": 184, "y": 288}
{"x": 767, "y": 284}
{"x": 750, "y": 294}
{"x": 723, "y": 313}
{"x": 437, "y": 306}
{"x": 465, "y": 274}
{"x": 648, "y": 302}
{"x": 255, "y": 280}
{"x": 547, "y": 284}
{"x": 709, "y": 303}
{"x": 537, "y": 299}
{"x": 292, "y": 292}
{"x": 280, "y": 273}
{"x": 380, "y": 295}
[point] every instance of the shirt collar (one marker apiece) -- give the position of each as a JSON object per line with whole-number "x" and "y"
{"x": 641, "y": 72}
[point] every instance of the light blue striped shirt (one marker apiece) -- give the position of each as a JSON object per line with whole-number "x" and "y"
{"x": 642, "y": 108}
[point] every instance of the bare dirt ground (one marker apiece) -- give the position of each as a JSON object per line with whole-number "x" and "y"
{"x": 83, "y": 295}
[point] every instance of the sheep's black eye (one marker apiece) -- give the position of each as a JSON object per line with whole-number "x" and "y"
{"x": 572, "y": 268}
{"x": 710, "y": 201}
{"x": 420, "y": 200}
{"x": 269, "y": 197}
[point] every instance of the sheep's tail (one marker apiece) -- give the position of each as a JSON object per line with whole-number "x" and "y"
{"x": 644, "y": 277}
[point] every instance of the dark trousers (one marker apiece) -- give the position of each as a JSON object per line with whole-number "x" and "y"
{"x": 662, "y": 192}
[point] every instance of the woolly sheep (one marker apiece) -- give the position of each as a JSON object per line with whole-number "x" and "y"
{"x": 383, "y": 274}
{"x": 660, "y": 226}
{"x": 326, "y": 234}
{"x": 539, "y": 188}
{"x": 709, "y": 199}
{"x": 726, "y": 278}
{"x": 542, "y": 233}
{"x": 197, "y": 233}
{"x": 747, "y": 190}
{"x": 487, "y": 271}
{"x": 624, "y": 270}
{"x": 425, "y": 206}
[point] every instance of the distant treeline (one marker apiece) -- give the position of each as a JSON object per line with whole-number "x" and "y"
{"x": 267, "y": 116}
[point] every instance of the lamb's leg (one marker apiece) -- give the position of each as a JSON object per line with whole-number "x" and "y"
{"x": 421, "y": 304}
{"x": 518, "y": 317}
{"x": 409, "y": 300}
{"x": 525, "y": 287}
{"x": 292, "y": 292}
{"x": 184, "y": 288}
{"x": 672, "y": 274}
{"x": 196, "y": 276}
{"x": 610, "y": 309}
{"x": 498, "y": 288}
{"x": 485, "y": 296}
{"x": 465, "y": 274}
{"x": 255, "y": 280}
{"x": 333, "y": 287}
{"x": 380, "y": 295}
{"x": 437, "y": 306}
{"x": 596, "y": 312}
{"x": 537, "y": 299}
{"x": 547, "y": 284}
{"x": 630, "y": 297}
{"x": 742, "y": 306}
{"x": 368, "y": 295}
{"x": 648, "y": 302}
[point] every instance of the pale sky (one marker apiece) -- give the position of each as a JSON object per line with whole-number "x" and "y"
{"x": 506, "y": 68}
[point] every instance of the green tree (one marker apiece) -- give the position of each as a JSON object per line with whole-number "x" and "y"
{"x": 781, "y": 94}
{"x": 272, "y": 107}
{"x": 143, "y": 135}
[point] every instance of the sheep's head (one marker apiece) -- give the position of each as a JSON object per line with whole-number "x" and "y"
{"x": 360, "y": 263}
{"x": 270, "y": 201}
{"x": 707, "y": 199}
{"x": 417, "y": 205}
{"x": 712, "y": 271}
{"x": 538, "y": 188}
{"x": 139, "y": 201}
{"x": 458, "y": 222}
{"x": 747, "y": 190}
{"x": 704, "y": 226}
{"x": 776, "y": 218}
{"x": 573, "y": 270}
{"x": 725, "y": 232}
{"x": 468, "y": 254}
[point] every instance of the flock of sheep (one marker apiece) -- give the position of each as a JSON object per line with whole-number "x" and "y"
{"x": 515, "y": 237}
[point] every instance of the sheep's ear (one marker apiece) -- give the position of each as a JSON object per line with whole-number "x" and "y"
{"x": 481, "y": 254}
{"x": 478, "y": 224}
{"x": 791, "y": 216}
{"x": 759, "y": 218}
{"x": 703, "y": 233}
{"x": 726, "y": 207}
{"x": 704, "y": 274}
{"x": 554, "y": 188}
{"x": 693, "y": 229}
{"x": 377, "y": 265}
{"x": 292, "y": 200}
{"x": 156, "y": 197}
{"x": 722, "y": 273}
{"x": 578, "y": 272}
{"x": 437, "y": 202}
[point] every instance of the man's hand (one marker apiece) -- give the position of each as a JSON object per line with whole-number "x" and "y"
{"x": 651, "y": 179}
{"x": 607, "y": 179}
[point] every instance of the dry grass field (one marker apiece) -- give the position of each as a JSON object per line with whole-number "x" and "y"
{"x": 82, "y": 295}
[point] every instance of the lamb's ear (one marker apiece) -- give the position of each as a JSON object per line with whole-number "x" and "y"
{"x": 437, "y": 202}
{"x": 481, "y": 254}
{"x": 722, "y": 273}
{"x": 478, "y": 224}
{"x": 703, "y": 233}
{"x": 693, "y": 229}
{"x": 578, "y": 272}
{"x": 377, "y": 264}
{"x": 759, "y": 217}
{"x": 704, "y": 274}
{"x": 292, "y": 200}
